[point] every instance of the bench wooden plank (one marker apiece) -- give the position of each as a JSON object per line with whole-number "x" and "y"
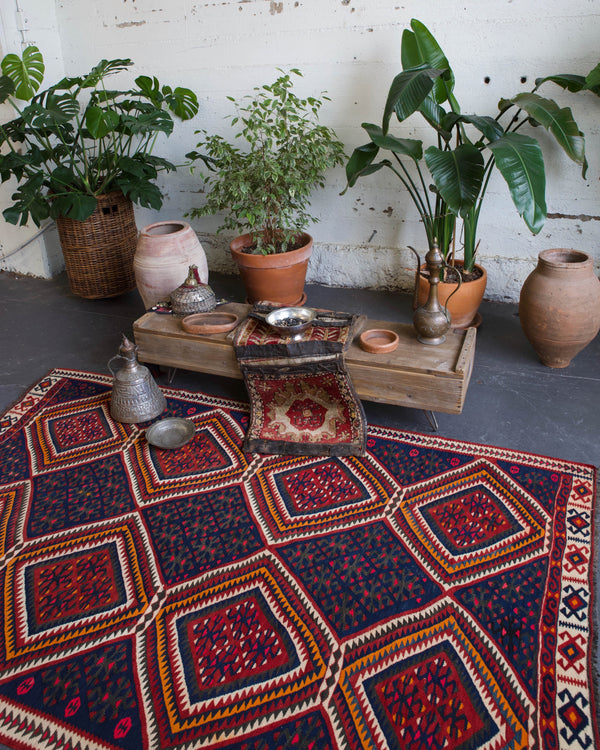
{"x": 434, "y": 378}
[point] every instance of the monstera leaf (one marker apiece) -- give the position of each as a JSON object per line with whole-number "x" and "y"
{"x": 27, "y": 73}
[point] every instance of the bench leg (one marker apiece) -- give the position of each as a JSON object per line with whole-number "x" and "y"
{"x": 431, "y": 419}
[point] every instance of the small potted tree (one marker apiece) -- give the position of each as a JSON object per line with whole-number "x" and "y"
{"x": 264, "y": 189}
{"x": 458, "y": 167}
{"x": 82, "y": 153}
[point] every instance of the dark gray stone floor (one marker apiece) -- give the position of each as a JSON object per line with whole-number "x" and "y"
{"x": 513, "y": 400}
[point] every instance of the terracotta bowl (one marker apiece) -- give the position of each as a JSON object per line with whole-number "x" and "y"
{"x": 378, "y": 340}
{"x": 209, "y": 322}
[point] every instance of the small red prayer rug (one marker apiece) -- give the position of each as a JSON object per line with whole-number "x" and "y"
{"x": 302, "y": 400}
{"x": 428, "y": 594}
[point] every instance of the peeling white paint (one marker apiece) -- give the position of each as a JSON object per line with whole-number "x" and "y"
{"x": 351, "y": 49}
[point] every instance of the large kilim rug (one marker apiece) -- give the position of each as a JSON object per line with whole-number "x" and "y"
{"x": 429, "y": 594}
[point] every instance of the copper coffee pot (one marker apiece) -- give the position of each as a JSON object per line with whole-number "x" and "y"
{"x": 431, "y": 320}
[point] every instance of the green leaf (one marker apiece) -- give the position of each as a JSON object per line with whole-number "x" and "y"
{"x": 29, "y": 201}
{"x": 60, "y": 178}
{"x": 102, "y": 69}
{"x": 7, "y": 88}
{"x": 520, "y": 161}
{"x": 426, "y": 51}
{"x": 27, "y": 73}
{"x": 58, "y": 109}
{"x": 360, "y": 160}
{"x": 144, "y": 193}
{"x": 572, "y": 83}
{"x": 78, "y": 206}
{"x": 592, "y": 80}
{"x": 488, "y": 126}
{"x": 438, "y": 118}
{"x": 150, "y": 122}
{"x": 407, "y": 92}
{"x": 557, "y": 121}
{"x": 458, "y": 175}
{"x": 13, "y": 164}
{"x": 149, "y": 86}
{"x": 100, "y": 122}
{"x": 403, "y": 146}
{"x": 183, "y": 103}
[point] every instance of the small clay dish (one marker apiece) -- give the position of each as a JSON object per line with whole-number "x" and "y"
{"x": 209, "y": 322}
{"x": 378, "y": 340}
{"x": 171, "y": 432}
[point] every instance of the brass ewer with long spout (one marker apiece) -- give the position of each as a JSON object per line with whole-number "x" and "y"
{"x": 431, "y": 320}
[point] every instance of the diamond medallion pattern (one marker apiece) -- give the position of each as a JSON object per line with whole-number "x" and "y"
{"x": 428, "y": 594}
{"x": 464, "y": 521}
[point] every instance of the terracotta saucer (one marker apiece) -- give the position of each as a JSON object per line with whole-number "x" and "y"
{"x": 379, "y": 340}
{"x": 210, "y": 322}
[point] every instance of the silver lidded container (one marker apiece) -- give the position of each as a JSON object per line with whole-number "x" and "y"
{"x": 135, "y": 395}
{"x": 192, "y": 296}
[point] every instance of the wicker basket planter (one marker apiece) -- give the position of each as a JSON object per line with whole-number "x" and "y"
{"x": 99, "y": 251}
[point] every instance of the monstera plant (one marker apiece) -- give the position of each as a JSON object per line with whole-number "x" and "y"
{"x": 452, "y": 175}
{"x": 79, "y": 138}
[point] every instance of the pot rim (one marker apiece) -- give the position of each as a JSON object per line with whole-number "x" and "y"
{"x": 566, "y": 258}
{"x": 182, "y": 226}
{"x": 272, "y": 260}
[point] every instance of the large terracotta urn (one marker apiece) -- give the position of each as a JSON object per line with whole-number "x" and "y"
{"x": 165, "y": 250}
{"x": 277, "y": 277}
{"x": 464, "y": 302}
{"x": 559, "y": 307}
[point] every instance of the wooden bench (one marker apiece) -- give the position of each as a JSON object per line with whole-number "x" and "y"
{"x": 432, "y": 378}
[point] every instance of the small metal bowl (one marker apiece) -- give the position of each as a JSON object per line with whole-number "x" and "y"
{"x": 291, "y": 320}
{"x": 172, "y": 432}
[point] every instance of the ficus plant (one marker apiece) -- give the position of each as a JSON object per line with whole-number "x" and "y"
{"x": 79, "y": 139}
{"x": 264, "y": 187}
{"x": 452, "y": 175}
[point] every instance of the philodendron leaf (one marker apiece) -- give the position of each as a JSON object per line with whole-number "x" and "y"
{"x": 102, "y": 69}
{"x": 7, "y": 88}
{"x": 145, "y": 193}
{"x": 27, "y": 72}
{"x": 183, "y": 103}
{"x": 100, "y": 122}
{"x": 78, "y": 206}
{"x": 558, "y": 121}
{"x": 520, "y": 161}
{"x": 458, "y": 175}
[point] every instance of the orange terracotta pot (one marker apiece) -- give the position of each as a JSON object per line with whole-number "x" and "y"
{"x": 559, "y": 307}
{"x": 463, "y": 305}
{"x": 275, "y": 278}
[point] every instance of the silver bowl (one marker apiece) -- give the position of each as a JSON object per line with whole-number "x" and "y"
{"x": 172, "y": 432}
{"x": 291, "y": 320}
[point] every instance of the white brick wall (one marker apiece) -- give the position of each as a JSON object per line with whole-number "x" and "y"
{"x": 350, "y": 48}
